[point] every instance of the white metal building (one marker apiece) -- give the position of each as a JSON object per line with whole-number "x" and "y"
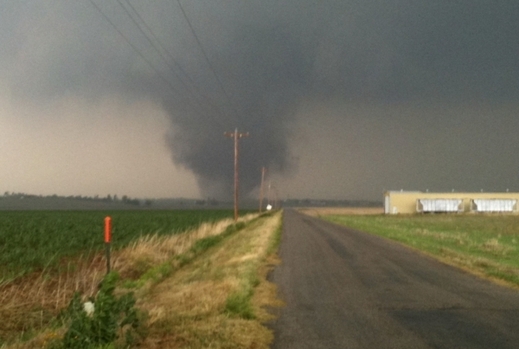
{"x": 406, "y": 202}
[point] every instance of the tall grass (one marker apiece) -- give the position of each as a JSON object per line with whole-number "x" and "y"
{"x": 34, "y": 300}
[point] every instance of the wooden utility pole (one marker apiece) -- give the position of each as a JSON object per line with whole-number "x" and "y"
{"x": 236, "y": 136}
{"x": 263, "y": 170}
{"x": 268, "y": 194}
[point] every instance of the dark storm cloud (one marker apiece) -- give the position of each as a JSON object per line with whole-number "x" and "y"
{"x": 399, "y": 52}
{"x": 269, "y": 75}
{"x": 270, "y": 57}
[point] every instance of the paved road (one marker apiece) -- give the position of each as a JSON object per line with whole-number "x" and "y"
{"x": 347, "y": 289}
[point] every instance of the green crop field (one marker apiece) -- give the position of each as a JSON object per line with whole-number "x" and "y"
{"x": 487, "y": 244}
{"x": 38, "y": 240}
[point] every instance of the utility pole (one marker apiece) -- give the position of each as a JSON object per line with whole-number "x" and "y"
{"x": 236, "y": 136}
{"x": 268, "y": 194}
{"x": 263, "y": 170}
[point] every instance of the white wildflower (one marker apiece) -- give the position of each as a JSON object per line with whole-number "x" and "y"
{"x": 88, "y": 307}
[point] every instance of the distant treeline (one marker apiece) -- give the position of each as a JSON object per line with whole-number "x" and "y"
{"x": 24, "y": 201}
{"x": 109, "y": 198}
{"x": 13, "y": 200}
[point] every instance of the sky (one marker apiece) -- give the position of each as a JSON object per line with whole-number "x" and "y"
{"x": 342, "y": 99}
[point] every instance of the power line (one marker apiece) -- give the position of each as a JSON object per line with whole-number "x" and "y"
{"x": 154, "y": 46}
{"x": 160, "y": 43}
{"x": 211, "y": 67}
{"x": 132, "y": 45}
{"x": 148, "y": 38}
{"x": 159, "y": 74}
{"x": 150, "y": 41}
{"x": 263, "y": 171}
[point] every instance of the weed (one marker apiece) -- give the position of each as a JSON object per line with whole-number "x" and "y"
{"x": 113, "y": 318}
{"x": 238, "y": 303}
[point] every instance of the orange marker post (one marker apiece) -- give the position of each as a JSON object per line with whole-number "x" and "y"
{"x": 108, "y": 230}
{"x": 108, "y": 240}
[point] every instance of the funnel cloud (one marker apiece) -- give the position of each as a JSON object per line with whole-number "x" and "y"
{"x": 342, "y": 99}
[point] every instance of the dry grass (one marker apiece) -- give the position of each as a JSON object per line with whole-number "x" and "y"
{"x": 493, "y": 246}
{"x": 188, "y": 310}
{"x": 154, "y": 249}
{"x": 30, "y": 303}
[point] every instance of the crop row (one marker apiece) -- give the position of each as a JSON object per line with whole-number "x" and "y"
{"x": 35, "y": 240}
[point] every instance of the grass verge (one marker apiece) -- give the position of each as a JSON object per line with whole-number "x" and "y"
{"x": 483, "y": 244}
{"x": 218, "y": 300}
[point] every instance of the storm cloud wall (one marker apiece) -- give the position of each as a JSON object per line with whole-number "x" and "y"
{"x": 269, "y": 59}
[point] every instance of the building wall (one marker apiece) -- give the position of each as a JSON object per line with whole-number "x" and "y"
{"x": 404, "y": 202}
